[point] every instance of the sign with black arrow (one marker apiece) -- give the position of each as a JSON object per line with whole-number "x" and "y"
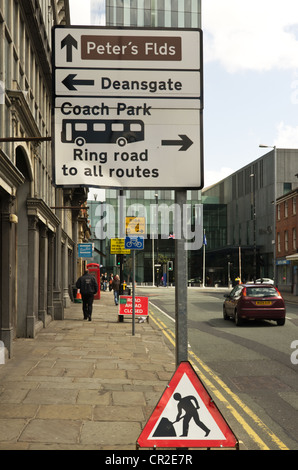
{"x": 127, "y": 105}
{"x": 184, "y": 143}
{"x": 72, "y": 83}
{"x": 68, "y": 43}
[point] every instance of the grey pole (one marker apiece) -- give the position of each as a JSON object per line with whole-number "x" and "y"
{"x": 133, "y": 290}
{"x": 180, "y": 282}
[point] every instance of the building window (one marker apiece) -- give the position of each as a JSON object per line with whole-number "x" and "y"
{"x": 294, "y": 239}
{"x": 278, "y": 211}
{"x": 294, "y": 205}
{"x": 286, "y": 240}
{"x": 286, "y": 208}
{"x": 287, "y": 187}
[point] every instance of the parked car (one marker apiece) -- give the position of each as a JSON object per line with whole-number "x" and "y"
{"x": 254, "y": 302}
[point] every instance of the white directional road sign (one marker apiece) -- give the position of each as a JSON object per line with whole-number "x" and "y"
{"x": 127, "y": 108}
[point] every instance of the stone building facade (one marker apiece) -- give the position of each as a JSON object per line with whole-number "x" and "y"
{"x": 39, "y": 224}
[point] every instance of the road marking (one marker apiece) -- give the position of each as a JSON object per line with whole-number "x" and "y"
{"x": 253, "y": 435}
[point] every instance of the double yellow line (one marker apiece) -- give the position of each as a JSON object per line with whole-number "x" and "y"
{"x": 202, "y": 370}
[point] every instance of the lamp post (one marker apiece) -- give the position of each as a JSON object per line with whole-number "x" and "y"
{"x": 274, "y": 206}
{"x": 155, "y": 225}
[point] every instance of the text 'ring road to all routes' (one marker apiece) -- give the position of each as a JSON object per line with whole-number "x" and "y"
{"x": 122, "y": 100}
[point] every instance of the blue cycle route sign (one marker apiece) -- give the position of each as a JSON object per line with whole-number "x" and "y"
{"x": 134, "y": 243}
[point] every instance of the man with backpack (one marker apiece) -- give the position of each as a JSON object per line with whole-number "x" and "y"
{"x": 88, "y": 288}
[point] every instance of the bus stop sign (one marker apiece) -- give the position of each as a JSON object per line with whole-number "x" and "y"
{"x": 127, "y": 107}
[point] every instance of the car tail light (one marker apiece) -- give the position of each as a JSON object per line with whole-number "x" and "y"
{"x": 244, "y": 293}
{"x": 278, "y": 293}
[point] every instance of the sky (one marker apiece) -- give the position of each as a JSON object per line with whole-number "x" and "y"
{"x": 250, "y": 79}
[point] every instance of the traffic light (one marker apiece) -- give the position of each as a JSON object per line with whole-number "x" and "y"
{"x": 170, "y": 265}
{"x": 118, "y": 260}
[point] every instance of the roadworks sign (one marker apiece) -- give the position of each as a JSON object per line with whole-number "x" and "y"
{"x": 186, "y": 416}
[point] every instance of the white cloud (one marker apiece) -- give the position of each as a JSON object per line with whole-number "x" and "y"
{"x": 251, "y": 35}
{"x": 87, "y": 12}
{"x": 80, "y": 12}
{"x": 287, "y": 136}
{"x": 98, "y": 12}
{"x": 214, "y": 176}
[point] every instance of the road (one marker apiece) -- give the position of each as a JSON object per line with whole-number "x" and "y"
{"x": 249, "y": 371}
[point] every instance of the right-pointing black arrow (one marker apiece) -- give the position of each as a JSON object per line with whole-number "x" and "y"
{"x": 184, "y": 141}
{"x": 69, "y": 42}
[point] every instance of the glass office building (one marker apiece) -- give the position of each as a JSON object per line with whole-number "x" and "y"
{"x": 154, "y": 13}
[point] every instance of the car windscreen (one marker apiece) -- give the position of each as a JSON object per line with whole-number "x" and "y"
{"x": 265, "y": 291}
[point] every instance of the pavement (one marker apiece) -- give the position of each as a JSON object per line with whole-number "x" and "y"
{"x": 83, "y": 385}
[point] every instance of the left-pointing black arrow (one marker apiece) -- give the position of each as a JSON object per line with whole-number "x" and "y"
{"x": 69, "y": 42}
{"x": 184, "y": 141}
{"x": 71, "y": 83}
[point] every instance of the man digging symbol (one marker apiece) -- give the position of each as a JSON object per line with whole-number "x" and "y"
{"x": 190, "y": 406}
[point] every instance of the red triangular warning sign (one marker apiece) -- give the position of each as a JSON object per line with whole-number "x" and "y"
{"x": 186, "y": 416}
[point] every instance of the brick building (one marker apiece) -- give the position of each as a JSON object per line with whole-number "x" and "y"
{"x": 286, "y": 241}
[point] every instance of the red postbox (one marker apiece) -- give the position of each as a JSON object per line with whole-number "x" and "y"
{"x": 94, "y": 270}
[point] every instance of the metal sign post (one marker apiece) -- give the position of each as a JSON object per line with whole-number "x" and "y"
{"x": 134, "y": 243}
{"x": 181, "y": 285}
{"x": 133, "y": 291}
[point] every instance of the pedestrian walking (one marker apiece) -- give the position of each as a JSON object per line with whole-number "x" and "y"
{"x": 116, "y": 288}
{"x": 88, "y": 288}
{"x": 104, "y": 280}
{"x": 110, "y": 282}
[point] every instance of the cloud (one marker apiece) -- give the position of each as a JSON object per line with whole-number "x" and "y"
{"x": 80, "y": 12}
{"x": 251, "y": 35}
{"x": 98, "y": 12}
{"x": 214, "y": 176}
{"x": 287, "y": 136}
{"x": 87, "y": 12}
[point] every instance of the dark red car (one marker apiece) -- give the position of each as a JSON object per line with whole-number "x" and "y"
{"x": 254, "y": 302}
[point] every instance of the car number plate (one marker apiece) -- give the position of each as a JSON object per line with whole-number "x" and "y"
{"x": 263, "y": 302}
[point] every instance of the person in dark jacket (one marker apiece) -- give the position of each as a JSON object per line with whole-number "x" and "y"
{"x": 116, "y": 288}
{"x": 88, "y": 288}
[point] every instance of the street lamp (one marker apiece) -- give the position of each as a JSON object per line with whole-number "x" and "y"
{"x": 153, "y": 255}
{"x": 274, "y": 206}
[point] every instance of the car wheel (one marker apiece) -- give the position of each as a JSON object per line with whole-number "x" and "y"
{"x": 225, "y": 315}
{"x": 238, "y": 320}
{"x": 281, "y": 321}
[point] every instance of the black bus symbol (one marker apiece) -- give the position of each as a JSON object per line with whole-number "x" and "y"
{"x": 89, "y": 131}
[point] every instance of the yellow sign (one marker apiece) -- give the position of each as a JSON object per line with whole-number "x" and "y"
{"x": 117, "y": 247}
{"x": 135, "y": 225}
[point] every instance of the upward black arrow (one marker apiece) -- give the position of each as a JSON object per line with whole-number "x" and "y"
{"x": 69, "y": 42}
